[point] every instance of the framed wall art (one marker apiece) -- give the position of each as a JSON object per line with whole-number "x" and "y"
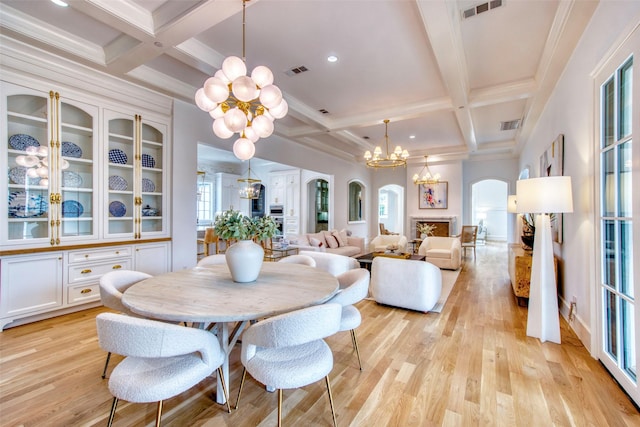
{"x": 433, "y": 196}
{"x": 552, "y": 164}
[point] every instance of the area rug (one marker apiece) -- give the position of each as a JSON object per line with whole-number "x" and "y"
{"x": 449, "y": 278}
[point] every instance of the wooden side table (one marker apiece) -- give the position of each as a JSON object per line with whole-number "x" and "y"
{"x": 520, "y": 272}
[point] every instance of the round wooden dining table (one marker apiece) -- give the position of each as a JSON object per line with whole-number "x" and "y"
{"x": 207, "y": 295}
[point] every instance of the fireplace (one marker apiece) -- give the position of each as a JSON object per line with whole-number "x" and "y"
{"x": 444, "y": 225}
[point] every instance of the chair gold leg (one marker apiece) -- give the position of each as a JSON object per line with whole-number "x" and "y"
{"x": 106, "y": 364}
{"x": 244, "y": 374}
{"x": 159, "y": 414}
{"x": 279, "y": 407}
{"x": 333, "y": 413}
{"x": 113, "y": 411}
{"x": 224, "y": 388}
{"x": 355, "y": 344}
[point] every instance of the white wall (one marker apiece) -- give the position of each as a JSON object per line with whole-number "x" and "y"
{"x": 570, "y": 111}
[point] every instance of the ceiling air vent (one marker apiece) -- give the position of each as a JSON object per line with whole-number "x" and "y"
{"x": 480, "y": 8}
{"x": 296, "y": 70}
{"x": 510, "y": 125}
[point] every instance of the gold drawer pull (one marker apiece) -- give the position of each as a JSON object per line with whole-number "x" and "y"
{"x": 116, "y": 267}
{"x": 85, "y": 291}
{"x": 87, "y": 271}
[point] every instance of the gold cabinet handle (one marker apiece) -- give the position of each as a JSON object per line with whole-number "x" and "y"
{"x": 87, "y": 271}
{"x": 116, "y": 267}
{"x": 85, "y": 291}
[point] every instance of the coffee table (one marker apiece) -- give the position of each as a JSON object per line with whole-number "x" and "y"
{"x": 366, "y": 259}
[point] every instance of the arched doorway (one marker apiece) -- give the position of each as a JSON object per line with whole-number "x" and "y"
{"x": 489, "y": 209}
{"x": 318, "y": 205}
{"x": 391, "y": 207}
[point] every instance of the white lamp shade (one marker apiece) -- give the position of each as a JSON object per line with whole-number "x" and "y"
{"x": 262, "y": 126}
{"x": 244, "y": 149}
{"x": 220, "y": 74}
{"x": 262, "y": 76}
{"x": 511, "y": 204}
{"x": 221, "y": 130}
{"x": 204, "y": 103}
{"x": 235, "y": 120}
{"x": 549, "y": 194}
{"x": 270, "y": 96}
{"x": 217, "y": 112}
{"x": 216, "y": 90}
{"x": 233, "y": 67}
{"x": 251, "y": 134}
{"x": 245, "y": 89}
{"x": 280, "y": 111}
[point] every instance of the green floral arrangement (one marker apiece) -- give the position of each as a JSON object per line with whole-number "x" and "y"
{"x": 233, "y": 224}
{"x": 265, "y": 228}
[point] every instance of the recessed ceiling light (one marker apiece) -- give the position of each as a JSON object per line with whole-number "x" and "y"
{"x": 60, "y": 3}
{"x": 412, "y": 137}
{"x": 332, "y": 58}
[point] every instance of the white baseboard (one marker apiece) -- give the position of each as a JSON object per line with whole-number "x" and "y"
{"x": 577, "y": 325}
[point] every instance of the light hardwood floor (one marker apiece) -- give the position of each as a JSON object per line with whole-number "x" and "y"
{"x": 469, "y": 365}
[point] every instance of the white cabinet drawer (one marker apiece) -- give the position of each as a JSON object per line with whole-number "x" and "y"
{"x": 100, "y": 254}
{"x": 86, "y": 272}
{"x": 83, "y": 293}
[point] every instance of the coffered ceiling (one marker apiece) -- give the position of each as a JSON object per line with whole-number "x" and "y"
{"x": 446, "y": 82}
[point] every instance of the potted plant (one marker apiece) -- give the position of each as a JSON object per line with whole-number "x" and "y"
{"x": 245, "y": 257}
{"x": 264, "y": 227}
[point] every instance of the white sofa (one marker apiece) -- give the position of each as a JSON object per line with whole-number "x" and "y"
{"x": 415, "y": 285}
{"x": 380, "y": 242}
{"x": 444, "y": 252}
{"x": 321, "y": 242}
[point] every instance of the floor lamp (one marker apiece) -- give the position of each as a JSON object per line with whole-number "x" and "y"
{"x": 542, "y": 196}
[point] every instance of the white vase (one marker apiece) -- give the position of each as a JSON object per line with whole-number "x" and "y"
{"x": 244, "y": 260}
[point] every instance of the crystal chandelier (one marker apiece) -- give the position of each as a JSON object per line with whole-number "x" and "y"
{"x": 241, "y": 104}
{"x": 250, "y": 187}
{"x": 397, "y": 158}
{"x": 425, "y": 176}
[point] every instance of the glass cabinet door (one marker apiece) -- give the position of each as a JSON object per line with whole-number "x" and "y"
{"x": 135, "y": 177}
{"x": 49, "y": 163}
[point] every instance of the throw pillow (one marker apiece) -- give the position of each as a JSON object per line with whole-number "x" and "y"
{"x": 315, "y": 242}
{"x": 319, "y": 237}
{"x": 341, "y": 237}
{"x": 332, "y": 242}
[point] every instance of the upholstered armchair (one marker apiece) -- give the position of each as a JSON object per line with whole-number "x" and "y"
{"x": 380, "y": 243}
{"x": 444, "y": 252}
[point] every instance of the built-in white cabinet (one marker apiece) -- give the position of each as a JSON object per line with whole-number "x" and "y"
{"x": 31, "y": 284}
{"x": 284, "y": 189}
{"x": 84, "y": 184}
{"x": 44, "y": 285}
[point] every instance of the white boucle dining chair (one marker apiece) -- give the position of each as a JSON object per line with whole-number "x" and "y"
{"x": 299, "y": 259}
{"x": 112, "y": 286}
{"x": 354, "y": 287}
{"x": 333, "y": 263}
{"x": 288, "y": 351}
{"x": 216, "y": 259}
{"x": 162, "y": 359}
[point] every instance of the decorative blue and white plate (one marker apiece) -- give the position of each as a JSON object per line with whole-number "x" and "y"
{"x": 18, "y": 175}
{"x": 149, "y": 211}
{"x": 148, "y": 186}
{"x": 69, "y": 149}
{"x": 116, "y": 182}
{"x": 117, "y": 208}
{"x": 22, "y": 205}
{"x": 21, "y": 141}
{"x": 148, "y": 161}
{"x": 117, "y": 156}
{"x": 72, "y": 209}
{"x": 71, "y": 179}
